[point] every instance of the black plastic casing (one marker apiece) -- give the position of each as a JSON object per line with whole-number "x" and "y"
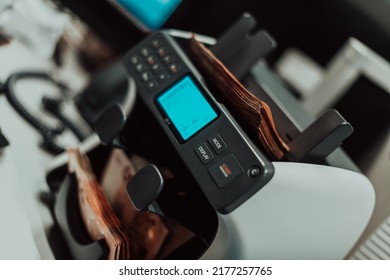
{"x": 224, "y": 198}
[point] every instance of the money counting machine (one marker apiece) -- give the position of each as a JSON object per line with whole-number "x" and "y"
{"x": 218, "y": 194}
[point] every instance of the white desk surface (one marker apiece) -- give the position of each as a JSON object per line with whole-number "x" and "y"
{"x": 305, "y": 212}
{"x": 24, "y": 219}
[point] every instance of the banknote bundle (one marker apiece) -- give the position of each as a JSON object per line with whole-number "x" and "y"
{"x": 250, "y": 111}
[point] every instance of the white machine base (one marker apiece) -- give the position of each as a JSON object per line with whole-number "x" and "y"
{"x": 305, "y": 212}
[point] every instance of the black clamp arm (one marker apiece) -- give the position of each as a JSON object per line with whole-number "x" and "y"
{"x": 239, "y": 49}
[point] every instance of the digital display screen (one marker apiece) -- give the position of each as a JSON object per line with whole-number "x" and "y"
{"x": 186, "y": 107}
{"x": 152, "y": 13}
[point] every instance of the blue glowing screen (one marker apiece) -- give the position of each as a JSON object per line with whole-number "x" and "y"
{"x": 152, "y": 13}
{"x": 186, "y": 107}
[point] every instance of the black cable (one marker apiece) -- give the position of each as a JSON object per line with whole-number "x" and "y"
{"x": 53, "y": 106}
{"x": 48, "y": 133}
{"x": 3, "y": 141}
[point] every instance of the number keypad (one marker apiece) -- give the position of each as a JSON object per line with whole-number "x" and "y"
{"x": 154, "y": 64}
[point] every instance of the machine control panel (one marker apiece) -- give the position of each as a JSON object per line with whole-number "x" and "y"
{"x": 224, "y": 162}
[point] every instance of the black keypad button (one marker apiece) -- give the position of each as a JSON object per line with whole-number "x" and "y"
{"x": 163, "y": 76}
{"x": 156, "y": 43}
{"x": 157, "y": 67}
{"x": 140, "y": 67}
{"x": 162, "y": 52}
{"x": 173, "y": 68}
{"x": 152, "y": 84}
{"x": 151, "y": 60}
{"x": 204, "y": 153}
{"x": 135, "y": 59}
{"x": 146, "y": 76}
{"x": 168, "y": 59}
{"x": 146, "y": 51}
{"x": 226, "y": 170}
{"x": 217, "y": 143}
